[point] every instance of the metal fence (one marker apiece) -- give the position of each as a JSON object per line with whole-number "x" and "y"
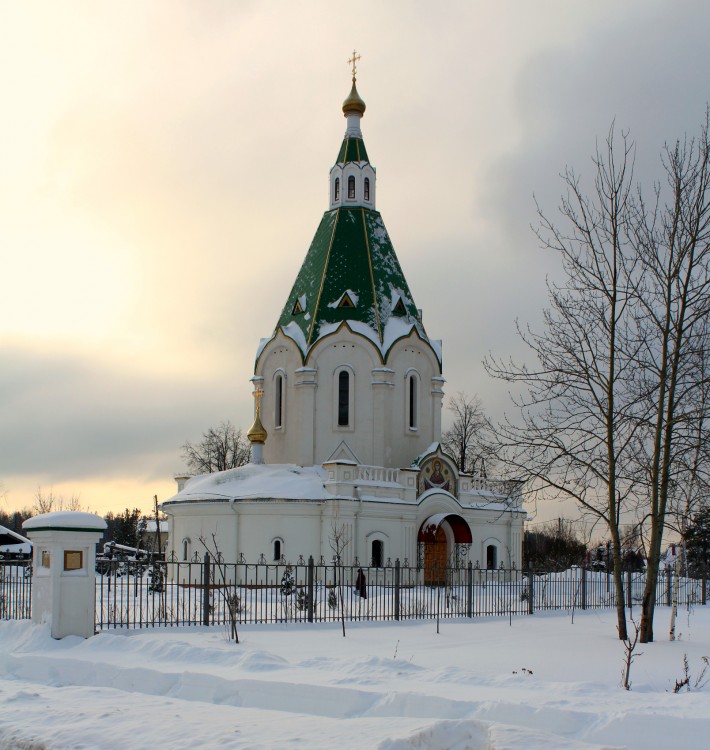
{"x": 210, "y": 592}
{"x": 141, "y": 594}
{"x": 15, "y": 590}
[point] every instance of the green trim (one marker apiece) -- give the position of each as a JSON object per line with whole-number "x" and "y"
{"x": 63, "y": 528}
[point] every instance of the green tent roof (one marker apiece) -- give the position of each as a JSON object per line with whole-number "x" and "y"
{"x": 352, "y": 149}
{"x": 351, "y": 275}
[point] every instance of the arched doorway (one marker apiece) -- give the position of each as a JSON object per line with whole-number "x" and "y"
{"x": 439, "y": 538}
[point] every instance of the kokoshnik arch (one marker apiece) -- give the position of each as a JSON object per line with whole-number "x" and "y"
{"x": 349, "y": 390}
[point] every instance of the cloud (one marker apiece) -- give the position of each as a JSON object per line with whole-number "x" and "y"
{"x": 73, "y": 416}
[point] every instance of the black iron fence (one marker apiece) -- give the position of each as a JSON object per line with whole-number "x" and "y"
{"x": 137, "y": 594}
{"x": 15, "y": 590}
{"x": 210, "y": 592}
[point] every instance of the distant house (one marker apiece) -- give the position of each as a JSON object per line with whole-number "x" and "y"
{"x": 13, "y": 546}
{"x": 670, "y": 556}
{"x": 149, "y": 536}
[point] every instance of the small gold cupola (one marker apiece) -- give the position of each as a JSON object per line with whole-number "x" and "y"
{"x": 354, "y": 104}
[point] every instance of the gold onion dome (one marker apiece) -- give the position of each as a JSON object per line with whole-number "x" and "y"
{"x": 257, "y": 432}
{"x": 353, "y": 103}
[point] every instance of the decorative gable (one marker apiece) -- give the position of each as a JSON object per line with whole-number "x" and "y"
{"x": 437, "y": 472}
{"x": 343, "y": 453}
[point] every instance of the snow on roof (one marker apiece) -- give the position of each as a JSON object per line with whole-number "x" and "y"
{"x": 278, "y": 481}
{"x": 354, "y": 298}
{"x": 65, "y": 519}
{"x": 433, "y": 448}
{"x": 150, "y": 527}
{"x": 11, "y": 541}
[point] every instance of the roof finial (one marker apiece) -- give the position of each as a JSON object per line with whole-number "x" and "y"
{"x": 354, "y": 104}
{"x": 354, "y": 61}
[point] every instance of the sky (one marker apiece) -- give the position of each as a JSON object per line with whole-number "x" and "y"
{"x": 164, "y": 167}
{"x": 490, "y": 683}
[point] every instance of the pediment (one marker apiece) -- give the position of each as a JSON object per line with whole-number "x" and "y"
{"x": 343, "y": 453}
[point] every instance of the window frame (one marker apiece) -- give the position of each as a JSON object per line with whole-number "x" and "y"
{"x": 338, "y": 392}
{"x": 277, "y": 541}
{"x": 412, "y": 400}
{"x": 279, "y": 399}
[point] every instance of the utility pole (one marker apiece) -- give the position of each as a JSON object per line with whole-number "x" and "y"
{"x": 157, "y": 525}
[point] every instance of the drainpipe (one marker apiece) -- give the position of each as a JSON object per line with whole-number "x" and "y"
{"x": 232, "y": 501}
{"x": 356, "y": 491}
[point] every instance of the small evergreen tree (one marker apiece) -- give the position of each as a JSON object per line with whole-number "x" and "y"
{"x": 123, "y": 528}
{"x": 697, "y": 544}
{"x": 288, "y": 582}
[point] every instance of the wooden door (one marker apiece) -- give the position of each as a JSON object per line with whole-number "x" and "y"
{"x": 435, "y": 558}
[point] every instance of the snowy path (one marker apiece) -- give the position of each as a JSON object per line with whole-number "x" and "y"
{"x": 540, "y": 683}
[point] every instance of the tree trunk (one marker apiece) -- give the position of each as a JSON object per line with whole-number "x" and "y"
{"x": 619, "y": 586}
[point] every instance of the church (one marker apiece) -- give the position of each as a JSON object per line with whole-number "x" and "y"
{"x": 348, "y": 400}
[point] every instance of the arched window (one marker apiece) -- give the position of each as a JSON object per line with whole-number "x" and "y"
{"x": 367, "y": 188}
{"x": 336, "y": 190}
{"x": 278, "y": 549}
{"x": 343, "y": 398}
{"x": 186, "y": 549}
{"x": 491, "y": 557}
{"x": 412, "y": 402}
{"x": 278, "y": 401}
{"x": 378, "y": 553}
{"x": 351, "y": 187}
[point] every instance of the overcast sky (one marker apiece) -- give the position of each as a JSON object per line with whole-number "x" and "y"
{"x": 164, "y": 166}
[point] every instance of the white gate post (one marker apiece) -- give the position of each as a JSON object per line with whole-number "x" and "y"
{"x": 64, "y": 570}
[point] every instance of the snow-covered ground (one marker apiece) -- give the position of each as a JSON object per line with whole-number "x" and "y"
{"x": 538, "y": 682}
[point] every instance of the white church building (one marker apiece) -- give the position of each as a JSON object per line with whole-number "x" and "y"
{"x": 345, "y": 440}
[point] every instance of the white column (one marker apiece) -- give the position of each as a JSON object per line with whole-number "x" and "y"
{"x": 64, "y": 565}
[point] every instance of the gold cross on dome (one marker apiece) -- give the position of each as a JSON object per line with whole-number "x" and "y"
{"x": 258, "y": 393}
{"x": 354, "y": 61}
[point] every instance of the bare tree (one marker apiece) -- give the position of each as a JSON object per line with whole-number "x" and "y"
{"x": 468, "y": 440}
{"x": 338, "y": 542}
{"x": 672, "y": 244}
{"x": 226, "y": 587}
{"x": 221, "y": 448}
{"x": 46, "y": 502}
{"x": 616, "y": 406}
{"x": 577, "y": 410}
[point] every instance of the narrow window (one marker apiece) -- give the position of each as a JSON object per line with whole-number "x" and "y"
{"x": 278, "y": 405}
{"x": 343, "y": 398}
{"x": 367, "y": 188}
{"x": 277, "y": 549}
{"x": 412, "y": 402}
{"x": 491, "y": 557}
{"x": 351, "y": 187}
{"x": 185, "y": 549}
{"x": 336, "y": 195}
{"x": 378, "y": 549}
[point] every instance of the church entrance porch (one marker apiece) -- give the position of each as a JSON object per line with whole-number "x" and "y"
{"x": 443, "y": 542}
